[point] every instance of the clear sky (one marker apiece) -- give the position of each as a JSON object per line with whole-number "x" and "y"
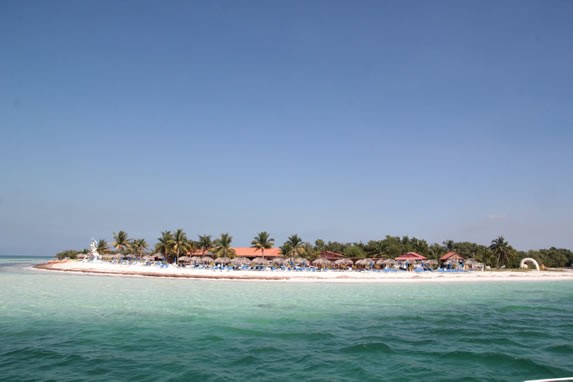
{"x": 340, "y": 120}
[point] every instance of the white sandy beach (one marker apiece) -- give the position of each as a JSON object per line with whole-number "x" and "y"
{"x": 106, "y": 268}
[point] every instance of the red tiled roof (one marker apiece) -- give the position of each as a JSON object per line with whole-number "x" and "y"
{"x": 253, "y": 252}
{"x": 331, "y": 255}
{"x": 451, "y": 255}
{"x": 411, "y": 256}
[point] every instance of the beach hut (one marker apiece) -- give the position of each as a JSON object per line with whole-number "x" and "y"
{"x": 410, "y": 256}
{"x": 452, "y": 260}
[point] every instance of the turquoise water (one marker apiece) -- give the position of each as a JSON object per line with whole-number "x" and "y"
{"x": 66, "y": 327}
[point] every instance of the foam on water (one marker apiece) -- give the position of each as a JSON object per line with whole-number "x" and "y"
{"x": 70, "y": 327}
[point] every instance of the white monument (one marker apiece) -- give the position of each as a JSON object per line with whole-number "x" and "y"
{"x": 93, "y": 250}
{"x": 528, "y": 260}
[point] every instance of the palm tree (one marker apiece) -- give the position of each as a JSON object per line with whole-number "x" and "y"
{"x": 205, "y": 243}
{"x": 222, "y": 246}
{"x": 138, "y": 246}
{"x": 165, "y": 243}
{"x": 180, "y": 244}
{"x": 101, "y": 247}
{"x": 436, "y": 251}
{"x": 319, "y": 245}
{"x": 121, "y": 241}
{"x": 501, "y": 250}
{"x": 294, "y": 244}
{"x": 262, "y": 241}
{"x": 285, "y": 249}
{"x": 448, "y": 245}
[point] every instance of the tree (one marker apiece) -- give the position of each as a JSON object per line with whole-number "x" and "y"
{"x": 101, "y": 247}
{"x": 222, "y": 246}
{"x": 205, "y": 243}
{"x": 449, "y": 245}
{"x": 121, "y": 241}
{"x": 165, "y": 244}
{"x": 294, "y": 244}
{"x": 262, "y": 241}
{"x": 180, "y": 244}
{"x": 138, "y": 246}
{"x": 354, "y": 251}
{"x": 436, "y": 251}
{"x": 501, "y": 250}
{"x": 319, "y": 245}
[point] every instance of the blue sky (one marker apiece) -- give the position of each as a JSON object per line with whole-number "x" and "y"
{"x": 337, "y": 120}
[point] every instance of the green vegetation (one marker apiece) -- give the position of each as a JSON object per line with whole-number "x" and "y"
{"x": 262, "y": 241}
{"x": 172, "y": 245}
{"x": 222, "y": 246}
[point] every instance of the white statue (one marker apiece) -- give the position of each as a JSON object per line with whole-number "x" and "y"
{"x": 93, "y": 250}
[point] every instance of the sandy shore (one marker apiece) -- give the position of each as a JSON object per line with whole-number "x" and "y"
{"x": 328, "y": 276}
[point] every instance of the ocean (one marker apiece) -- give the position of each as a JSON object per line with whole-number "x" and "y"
{"x": 67, "y": 327}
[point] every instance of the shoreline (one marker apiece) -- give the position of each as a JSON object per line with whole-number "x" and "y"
{"x": 108, "y": 269}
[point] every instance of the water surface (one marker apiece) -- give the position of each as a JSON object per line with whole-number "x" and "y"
{"x": 67, "y": 327}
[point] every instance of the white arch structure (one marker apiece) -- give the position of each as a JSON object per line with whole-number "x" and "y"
{"x": 528, "y": 260}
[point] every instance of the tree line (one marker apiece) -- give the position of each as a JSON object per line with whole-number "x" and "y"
{"x": 173, "y": 244}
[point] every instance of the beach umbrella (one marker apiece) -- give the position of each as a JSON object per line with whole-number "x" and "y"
{"x": 365, "y": 262}
{"x": 158, "y": 256}
{"x": 300, "y": 261}
{"x": 81, "y": 256}
{"x": 149, "y": 258}
{"x": 260, "y": 261}
{"x": 206, "y": 259}
{"x": 321, "y": 262}
{"x": 278, "y": 260}
{"x": 240, "y": 261}
{"x": 130, "y": 256}
{"x": 196, "y": 259}
{"x": 222, "y": 260}
{"x": 343, "y": 262}
{"x": 184, "y": 259}
{"x": 118, "y": 256}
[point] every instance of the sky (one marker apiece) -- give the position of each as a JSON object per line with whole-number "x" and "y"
{"x": 338, "y": 120}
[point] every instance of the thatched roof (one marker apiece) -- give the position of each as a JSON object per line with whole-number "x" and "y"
{"x": 240, "y": 261}
{"x": 343, "y": 262}
{"x": 321, "y": 261}
{"x": 260, "y": 261}
{"x": 365, "y": 262}
{"x": 222, "y": 260}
